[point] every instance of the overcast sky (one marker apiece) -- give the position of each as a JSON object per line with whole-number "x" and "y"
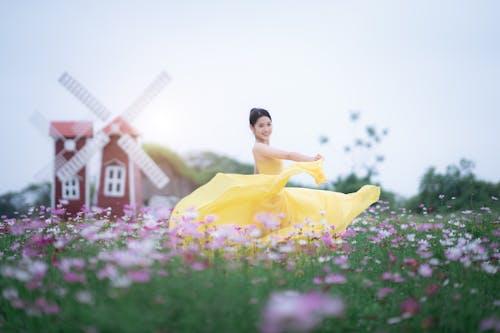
{"x": 427, "y": 70}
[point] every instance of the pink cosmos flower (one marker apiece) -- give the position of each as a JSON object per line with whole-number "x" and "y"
{"x": 348, "y": 233}
{"x": 410, "y": 262}
{"x": 318, "y": 280}
{"x": 109, "y": 271}
{"x": 326, "y": 237}
{"x": 341, "y": 260}
{"x": 335, "y": 279}
{"x": 432, "y": 289}
{"x": 59, "y": 211}
{"x": 198, "y": 266}
{"x": 38, "y": 269}
{"x": 382, "y": 292}
{"x": 410, "y": 306}
{"x": 210, "y": 218}
{"x": 162, "y": 272}
{"x": 139, "y": 276}
{"x": 192, "y": 229}
{"x": 491, "y": 323}
{"x": 46, "y": 307}
{"x": 398, "y": 279}
{"x": 294, "y": 311}
{"x": 268, "y": 221}
{"x": 453, "y": 253}
{"x": 18, "y": 303}
{"x": 72, "y": 277}
{"x": 392, "y": 258}
{"x": 67, "y": 263}
{"x": 425, "y": 270}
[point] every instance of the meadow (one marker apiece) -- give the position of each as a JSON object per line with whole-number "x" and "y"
{"x": 391, "y": 271}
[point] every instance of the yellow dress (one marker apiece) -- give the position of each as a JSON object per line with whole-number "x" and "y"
{"x": 264, "y": 201}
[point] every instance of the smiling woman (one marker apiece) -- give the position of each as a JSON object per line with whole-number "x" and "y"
{"x": 262, "y": 201}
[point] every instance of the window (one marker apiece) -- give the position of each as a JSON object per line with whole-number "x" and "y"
{"x": 71, "y": 189}
{"x": 114, "y": 181}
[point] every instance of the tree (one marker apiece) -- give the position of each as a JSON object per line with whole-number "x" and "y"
{"x": 456, "y": 189}
{"x": 206, "y": 164}
{"x": 365, "y": 159}
{"x": 363, "y": 150}
{"x": 7, "y": 206}
{"x": 33, "y": 195}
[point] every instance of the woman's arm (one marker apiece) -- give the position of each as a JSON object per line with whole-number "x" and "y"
{"x": 267, "y": 151}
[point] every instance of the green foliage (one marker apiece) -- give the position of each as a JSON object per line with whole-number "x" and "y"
{"x": 362, "y": 149}
{"x": 32, "y": 195}
{"x": 231, "y": 291}
{"x": 161, "y": 153}
{"x": 199, "y": 167}
{"x": 206, "y": 164}
{"x": 7, "y": 206}
{"x": 352, "y": 183}
{"x": 456, "y": 189}
{"x": 364, "y": 160}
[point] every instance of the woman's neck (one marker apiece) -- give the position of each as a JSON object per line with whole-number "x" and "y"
{"x": 266, "y": 142}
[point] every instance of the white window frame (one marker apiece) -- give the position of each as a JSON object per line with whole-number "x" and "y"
{"x": 71, "y": 188}
{"x": 114, "y": 180}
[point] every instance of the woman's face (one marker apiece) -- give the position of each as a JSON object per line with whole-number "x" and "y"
{"x": 263, "y": 129}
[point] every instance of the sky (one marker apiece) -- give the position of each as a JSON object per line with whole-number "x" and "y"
{"x": 428, "y": 71}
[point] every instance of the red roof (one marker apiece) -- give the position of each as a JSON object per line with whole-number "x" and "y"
{"x": 71, "y": 129}
{"x": 119, "y": 124}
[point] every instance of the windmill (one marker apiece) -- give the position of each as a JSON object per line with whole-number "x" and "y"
{"x": 68, "y": 137}
{"x": 122, "y": 157}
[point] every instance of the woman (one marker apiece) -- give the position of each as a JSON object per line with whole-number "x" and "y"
{"x": 264, "y": 155}
{"x": 262, "y": 200}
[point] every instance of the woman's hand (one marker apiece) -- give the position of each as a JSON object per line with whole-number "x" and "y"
{"x": 318, "y": 157}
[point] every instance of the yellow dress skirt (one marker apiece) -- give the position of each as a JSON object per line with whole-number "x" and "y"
{"x": 274, "y": 211}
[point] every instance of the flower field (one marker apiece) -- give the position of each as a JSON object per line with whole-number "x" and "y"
{"x": 391, "y": 271}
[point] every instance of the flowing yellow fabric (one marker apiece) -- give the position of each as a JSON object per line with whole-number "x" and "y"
{"x": 263, "y": 200}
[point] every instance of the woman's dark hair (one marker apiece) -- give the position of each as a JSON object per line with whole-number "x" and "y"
{"x": 256, "y": 113}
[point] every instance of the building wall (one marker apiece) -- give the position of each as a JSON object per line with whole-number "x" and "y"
{"x": 138, "y": 186}
{"x": 112, "y": 153}
{"x": 72, "y": 206}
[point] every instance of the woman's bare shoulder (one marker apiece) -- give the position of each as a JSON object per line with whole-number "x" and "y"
{"x": 259, "y": 146}
{"x": 266, "y": 151}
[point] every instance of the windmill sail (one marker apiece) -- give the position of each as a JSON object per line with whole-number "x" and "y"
{"x": 80, "y": 129}
{"x": 147, "y": 96}
{"x": 80, "y": 92}
{"x": 81, "y": 158}
{"x": 147, "y": 165}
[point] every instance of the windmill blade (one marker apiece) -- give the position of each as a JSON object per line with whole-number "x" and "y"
{"x": 40, "y": 122}
{"x": 147, "y": 165}
{"x": 47, "y": 171}
{"x": 81, "y": 158}
{"x": 147, "y": 96}
{"x": 44, "y": 173}
{"x": 43, "y": 125}
{"x": 80, "y": 92}
{"x": 59, "y": 161}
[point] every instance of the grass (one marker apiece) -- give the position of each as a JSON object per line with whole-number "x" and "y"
{"x": 443, "y": 271}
